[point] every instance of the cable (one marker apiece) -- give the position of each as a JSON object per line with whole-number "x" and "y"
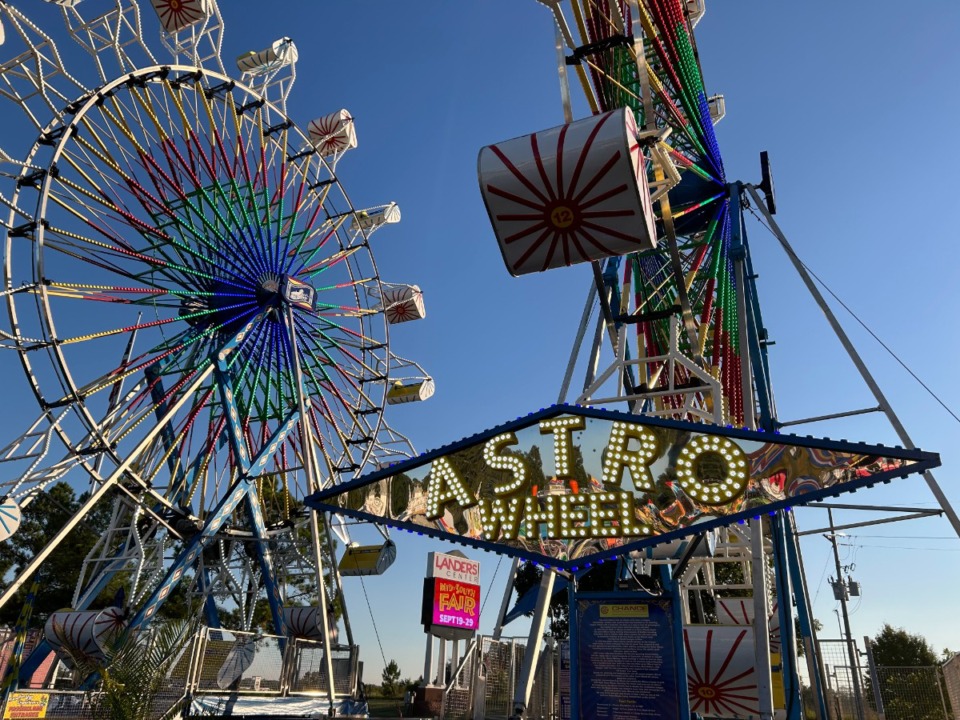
{"x": 373, "y": 620}
{"x": 903, "y": 547}
{"x": 490, "y": 586}
{"x": 909, "y": 537}
{"x": 820, "y": 584}
{"x": 862, "y": 324}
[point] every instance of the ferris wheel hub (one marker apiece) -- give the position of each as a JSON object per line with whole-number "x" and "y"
{"x": 268, "y": 290}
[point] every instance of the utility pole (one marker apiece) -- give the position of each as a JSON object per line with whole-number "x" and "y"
{"x": 841, "y": 587}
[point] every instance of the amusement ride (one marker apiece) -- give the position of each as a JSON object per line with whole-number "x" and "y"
{"x": 673, "y": 330}
{"x": 194, "y": 301}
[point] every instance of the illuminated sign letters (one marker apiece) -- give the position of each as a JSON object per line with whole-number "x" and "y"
{"x": 568, "y": 485}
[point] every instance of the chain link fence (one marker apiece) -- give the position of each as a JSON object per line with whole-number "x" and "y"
{"x": 460, "y": 692}
{"x": 308, "y": 668}
{"x": 913, "y": 693}
{"x": 846, "y": 681}
{"x": 240, "y": 662}
{"x": 216, "y": 664}
{"x": 484, "y": 684}
{"x": 951, "y": 682}
{"x": 854, "y": 692}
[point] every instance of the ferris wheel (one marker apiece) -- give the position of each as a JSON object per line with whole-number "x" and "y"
{"x": 195, "y": 303}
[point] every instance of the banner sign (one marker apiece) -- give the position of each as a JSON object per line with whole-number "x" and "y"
{"x": 453, "y": 567}
{"x": 23, "y": 705}
{"x": 451, "y": 595}
{"x": 569, "y": 486}
{"x": 456, "y": 604}
{"x": 627, "y": 659}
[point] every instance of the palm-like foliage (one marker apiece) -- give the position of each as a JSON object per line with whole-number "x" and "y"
{"x": 135, "y": 672}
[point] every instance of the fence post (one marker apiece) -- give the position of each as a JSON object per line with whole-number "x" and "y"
{"x": 287, "y": 661}
{"x": 480, "y": 683}
{"x": 938, "y": 675}
{"x": 874, "y": 677}
{"x": 196, "y": 663}
{"x": 547, "y": 706}
{"x": 512, "y": 680}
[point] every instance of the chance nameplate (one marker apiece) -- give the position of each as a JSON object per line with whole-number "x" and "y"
{"x": 568, "y": 485}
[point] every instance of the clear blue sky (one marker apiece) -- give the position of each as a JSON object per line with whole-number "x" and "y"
{"x": 856, "y": 106}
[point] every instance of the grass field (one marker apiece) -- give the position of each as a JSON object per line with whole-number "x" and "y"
{"x": 385, "y": 707}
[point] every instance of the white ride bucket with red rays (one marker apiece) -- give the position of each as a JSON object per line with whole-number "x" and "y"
{"x": 571, "y": 194}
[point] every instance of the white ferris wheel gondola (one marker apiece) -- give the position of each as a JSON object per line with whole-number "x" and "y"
{"x": 333, "y": 135}
{"x": 280, "y": 54}
{"x": 177, "y": 15}
{"x": 373, "y": 218}
{"x": 410, "y": 382}
{"x": 402, "y": 303}
{"x": 84, "y": 633}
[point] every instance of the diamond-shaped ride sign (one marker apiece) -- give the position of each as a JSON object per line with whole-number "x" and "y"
{"x": 568, "y": 486}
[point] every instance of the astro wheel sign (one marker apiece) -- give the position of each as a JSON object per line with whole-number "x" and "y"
{"x": 568, "y": 485}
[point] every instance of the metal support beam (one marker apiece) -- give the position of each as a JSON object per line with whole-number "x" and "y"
{"x": 313, "y": 485}
{"x": 831, "y": 416}
{"x": 102, "y": 491}
{"x": 788, "y": 648}
{"x": 872, "y": 508}
{"x": 865, "y": 373}
{"x": 868, "y": 523}
{"x": 739, "y": 254}
{"x": 578, "y": 340}
{"x": 681, "y": 566}
{"x": 761, "y": 622}
{"x": 871, "y": 663}
{"x": 805, "y": 616}
{"x": 531, "y": 654}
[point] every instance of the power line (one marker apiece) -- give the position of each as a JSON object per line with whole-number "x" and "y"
{"x": 909, "y": 537}
{"x": 822, "y": 576}
{"x": 903, "y": 547}
{"x": 862, "y": 324}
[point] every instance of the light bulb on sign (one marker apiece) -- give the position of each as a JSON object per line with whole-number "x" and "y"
{"x": 620, "y": 457}
{"x": 562, "y": 429}
{"x": 723, "y": 460}
{"x": 511, "y": 463}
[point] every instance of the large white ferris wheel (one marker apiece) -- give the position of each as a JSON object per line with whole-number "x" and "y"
{"x": 195, "y": 304}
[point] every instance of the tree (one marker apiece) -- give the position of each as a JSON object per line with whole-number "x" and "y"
{"x": 908, "y": 675}
{"x": 42, "y": 518}
{"x": 409, "y": 684}
{"x": 391, "y": 679}
{"x": 895, "y": 647}
{"x": 528, "y": 579}
{"x": 817, "y": 627}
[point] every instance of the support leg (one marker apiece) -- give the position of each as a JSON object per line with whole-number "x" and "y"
{"x": 865, "y": 373}
{"x": 532, "y": 652}
{"x": 761, "y": 625}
